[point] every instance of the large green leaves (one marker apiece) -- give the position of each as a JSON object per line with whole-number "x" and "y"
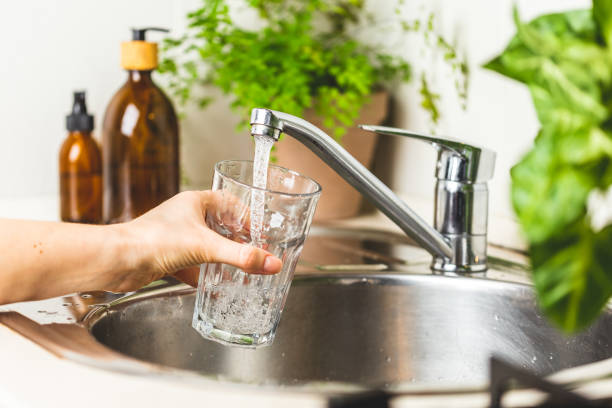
{"x": 573, "y": 276}
{"x": 566, "y": 62}
{"x": 546, "y": 194}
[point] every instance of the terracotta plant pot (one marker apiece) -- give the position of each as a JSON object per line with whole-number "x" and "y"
{"x": 338, "y": 198}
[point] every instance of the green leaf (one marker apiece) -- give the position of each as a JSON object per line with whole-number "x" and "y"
{"x": 602, "y": 12}
{"x": 546, "y": 194}
{"x": 572, "y": 276}
{"x": 561, "y": 59}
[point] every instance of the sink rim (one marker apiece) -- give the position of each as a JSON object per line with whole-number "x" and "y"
{"x": 113, "y": 361}
{"x": 171, "y": 287}
{"x": 333, "y": 387}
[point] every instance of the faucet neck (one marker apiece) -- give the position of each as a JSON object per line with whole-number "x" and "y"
{"x": 458, "y": 241}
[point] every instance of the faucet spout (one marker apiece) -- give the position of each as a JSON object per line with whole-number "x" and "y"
{"x": 272, "y": 123}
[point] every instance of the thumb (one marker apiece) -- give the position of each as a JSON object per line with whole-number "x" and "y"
{"x": 246, "y": 257}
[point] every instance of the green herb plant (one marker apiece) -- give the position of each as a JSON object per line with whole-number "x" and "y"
{"x": 565, "y": 59}
{"x": 299, "y": 54}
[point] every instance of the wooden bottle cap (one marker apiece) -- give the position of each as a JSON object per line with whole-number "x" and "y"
{"x": 139, "y": 55}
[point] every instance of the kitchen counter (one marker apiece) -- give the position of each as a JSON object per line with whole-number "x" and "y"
{"x": 31, "y": 376}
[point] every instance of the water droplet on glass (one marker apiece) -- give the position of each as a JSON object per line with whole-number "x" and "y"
{"x": 282, "y": 354}
{"x": 534, "y": 359}
{"x": 388, "y": 359}
{"x": 496, "y": 317}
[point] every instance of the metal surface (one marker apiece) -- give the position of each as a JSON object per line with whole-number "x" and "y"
{"x": 347, "y": 327}
{"x": 461, "y": 199}
{"x": 379, "y": 330}
{"x": 458, "y": 241}
{"x": 458, "y": 161}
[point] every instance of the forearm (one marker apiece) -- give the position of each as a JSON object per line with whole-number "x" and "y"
{"x": 45, "y": 259}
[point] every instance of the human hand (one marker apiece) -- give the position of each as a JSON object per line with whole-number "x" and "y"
{"x": 173, "y": 238}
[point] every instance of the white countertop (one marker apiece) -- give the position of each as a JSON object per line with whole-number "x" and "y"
{"x": 32, "y": 377}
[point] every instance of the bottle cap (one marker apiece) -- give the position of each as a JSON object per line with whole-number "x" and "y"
{"x": 138, "y": 54}
{"x": 79, "y": 120}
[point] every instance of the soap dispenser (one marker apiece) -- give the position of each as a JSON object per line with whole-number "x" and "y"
{"x": 80, "y": 166}
{"x": 140, "y": 137}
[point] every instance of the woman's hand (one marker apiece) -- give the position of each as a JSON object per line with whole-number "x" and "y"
{"x": 173, "y": 239}
{"x": 47, "y": 259}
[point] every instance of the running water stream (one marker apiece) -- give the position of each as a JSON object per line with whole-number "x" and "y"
{"x": 263, "y": 146}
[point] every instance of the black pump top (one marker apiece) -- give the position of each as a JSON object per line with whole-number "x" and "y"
{"x": 79, "y": 120}
{"x": 138, "y": 34}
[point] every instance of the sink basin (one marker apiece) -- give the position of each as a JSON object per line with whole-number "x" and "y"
{"x": 363, "y": 311}
{"x": 374, "y": 330}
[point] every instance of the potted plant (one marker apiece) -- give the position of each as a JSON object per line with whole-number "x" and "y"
{"x": 301, "y": 57}
{"x": 562, "y": 187}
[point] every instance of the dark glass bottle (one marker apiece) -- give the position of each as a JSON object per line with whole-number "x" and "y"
{"x": 80, "y": 165}
{"x": 140, "y": 139}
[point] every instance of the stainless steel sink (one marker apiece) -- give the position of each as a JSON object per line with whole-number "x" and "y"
{"x": 380, "y": 330}
{"x": 364, "y": 311}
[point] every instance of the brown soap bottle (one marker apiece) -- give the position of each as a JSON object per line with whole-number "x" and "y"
{"x": 80, "y": 165}
{"x": 140, "y": 140}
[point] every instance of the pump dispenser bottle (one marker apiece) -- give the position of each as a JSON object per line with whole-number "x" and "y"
{"x": 140, "y": 137}
{"x": 80, "y": 165}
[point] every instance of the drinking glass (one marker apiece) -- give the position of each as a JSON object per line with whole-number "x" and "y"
{"x": 234, "y": 307}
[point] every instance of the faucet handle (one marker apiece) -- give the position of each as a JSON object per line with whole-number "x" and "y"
{"x": 457, "y": 161}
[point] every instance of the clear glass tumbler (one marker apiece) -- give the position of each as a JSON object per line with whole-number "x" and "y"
{"x": 234, "y": 307}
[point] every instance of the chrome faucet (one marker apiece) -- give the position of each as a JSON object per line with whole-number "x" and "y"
{"x": 458, "y": 243}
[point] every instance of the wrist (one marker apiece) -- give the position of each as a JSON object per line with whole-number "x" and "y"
{"x": 127, "y": 254}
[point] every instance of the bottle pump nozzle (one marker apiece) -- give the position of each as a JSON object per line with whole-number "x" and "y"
{"x": 79, "y": 120}
{"x": 138, "y": 34}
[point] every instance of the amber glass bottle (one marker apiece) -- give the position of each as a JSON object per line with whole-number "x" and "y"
{"x": 80, "y": 165}
{"x": 140, "y": 139}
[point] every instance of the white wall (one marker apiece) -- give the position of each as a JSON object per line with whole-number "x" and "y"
{"x": 53, "y": 47}
{"x": 49, "y": 49}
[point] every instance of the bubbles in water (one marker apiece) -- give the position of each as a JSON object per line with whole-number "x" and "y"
{"x": 244, "y": 309}
{"x": 283, "y": 354}
{"x": 534, "y": 359}
{"x": 388, "y": 359}
{"x": 496, "y": 317}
